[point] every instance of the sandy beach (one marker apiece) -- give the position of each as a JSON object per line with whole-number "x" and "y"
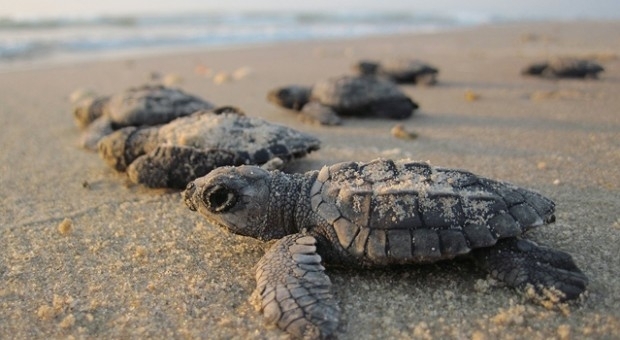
{"x": 86, "y": 254}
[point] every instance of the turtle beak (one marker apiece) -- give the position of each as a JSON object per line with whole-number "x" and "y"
{"x": 188, "y": 194}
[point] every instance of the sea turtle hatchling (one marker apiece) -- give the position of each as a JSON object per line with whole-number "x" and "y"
{"x": 361, "y": 96}
{"x": 143, "y": 105}
{"x": 377, "y": 214}
{"x": 403, "y": 71}
{"x": 564, "y": 68}
{"x": 173, "y": 154}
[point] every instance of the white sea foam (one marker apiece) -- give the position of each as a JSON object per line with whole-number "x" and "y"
{"x": 41, "y": 38}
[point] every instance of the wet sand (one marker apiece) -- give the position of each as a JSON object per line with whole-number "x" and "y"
{"x": 85, "y": 254}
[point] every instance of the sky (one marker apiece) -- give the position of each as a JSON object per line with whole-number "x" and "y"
{"x": 562, "y": 9}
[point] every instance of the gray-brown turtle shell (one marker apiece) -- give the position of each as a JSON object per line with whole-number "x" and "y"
{"x": 153, "y": 105}
{"x": 350, "y": 93}
{"x": 143, "y": 105}
{"x": 256, "y": 138}
{"x": 402, "y": 212}
{"x": 400, "y": 70}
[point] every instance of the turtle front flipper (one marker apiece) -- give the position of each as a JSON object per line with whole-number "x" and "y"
{"x": 295, "y": 292}
{"x": 520, "y": 263}
{"x": 170, "y": 166}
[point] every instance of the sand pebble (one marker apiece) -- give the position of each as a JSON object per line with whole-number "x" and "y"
{"x": 478, "y": 335}
{"x": 65, "y": 227}
{"x": 471, "y": 96}
{"x": 221, "y": 77}
{"x": 46, "y": 312}
{"x": 399, "y": 131}
{"x": 140, "y": 252}
{"x": 242, "y": 72}
{"x": 68, "y": 321}
{"x": 541, "y": 165}
{"x": 513, "y": 315}
{"x": 564, "y": 332}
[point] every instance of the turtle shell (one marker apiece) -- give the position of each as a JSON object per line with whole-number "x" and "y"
{"x": 351, "y": 93}
{"x": 258, "y": 139}
{"x": 404, "y": 68}
{"x": 152, "y": 105}
{"x": 403, "y": 212}
{"x": 571, "y": 67}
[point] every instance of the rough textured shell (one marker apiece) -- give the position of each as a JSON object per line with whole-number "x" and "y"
{"x": 152, "y": 105}
{"x": 562, "y": 65}
{"x": 350, "y": 92}
{"x": 396, "y": 212}
{"x": 230, "y": 131}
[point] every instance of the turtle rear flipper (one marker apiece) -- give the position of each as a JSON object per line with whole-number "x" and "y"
{"x": 315, "y": 112}
{"x": 88, "y": 108}
{"x": 175, "y": 166}
{"x": 520, "y": 263}
{"x": 295, "y": 292}
{"x": 427, "y": 79}
{"x": 399, "y": 108}
{"x": 121, "y": 147}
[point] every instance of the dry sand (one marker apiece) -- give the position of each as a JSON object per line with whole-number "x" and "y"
{"x": 85, "y": 255}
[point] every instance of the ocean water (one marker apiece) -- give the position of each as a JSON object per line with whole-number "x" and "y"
{"x": 40, "y": 39}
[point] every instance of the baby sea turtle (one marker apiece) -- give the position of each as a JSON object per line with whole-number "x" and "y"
{"x": 399, "y": 70}
{"x": 144, "y": 105}
{"x": 564, "y": 68}
{"x": 173, "y": 154}
{"x": 345, "y": 96}
{"x": 373, "y": 214}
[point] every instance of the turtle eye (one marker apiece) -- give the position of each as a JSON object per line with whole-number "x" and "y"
{"x": 219, "y": 199}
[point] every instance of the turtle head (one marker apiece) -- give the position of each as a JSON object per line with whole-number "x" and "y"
{"x": 87, "y": 108}
{"x": 291, "y": 97}
{"x": 236, "y": 198}
{"x": 366, "y": 67}
{"x": 121, "y": 147}
{"x": 535, "y": 69}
